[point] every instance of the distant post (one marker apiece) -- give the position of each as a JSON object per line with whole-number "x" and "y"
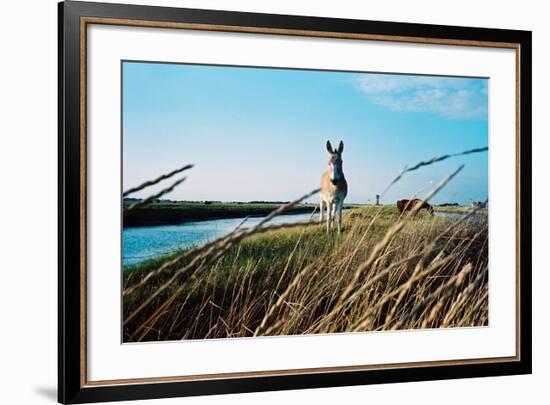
{"x": 377, "y": 199}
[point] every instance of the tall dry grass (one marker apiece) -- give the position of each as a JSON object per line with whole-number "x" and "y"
{"x": 385, "y": 272}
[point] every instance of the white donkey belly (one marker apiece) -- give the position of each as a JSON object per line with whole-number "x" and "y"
{"x": 333, "y": 198}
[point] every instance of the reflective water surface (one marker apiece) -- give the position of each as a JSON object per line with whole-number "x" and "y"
{"x": 147, "y": 242}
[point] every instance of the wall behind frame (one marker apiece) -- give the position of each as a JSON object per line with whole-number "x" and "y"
{"x": 28, "y": 207}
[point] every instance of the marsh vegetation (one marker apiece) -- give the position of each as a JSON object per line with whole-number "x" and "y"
{"x": 385, "y": 271}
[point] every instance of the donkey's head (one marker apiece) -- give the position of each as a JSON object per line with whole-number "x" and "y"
{"x": 335, "y": 162}
{"x": 430, "y": 209}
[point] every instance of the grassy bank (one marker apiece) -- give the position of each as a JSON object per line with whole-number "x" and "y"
{"x": 170, "y": 213}
{"x": 383, "y": 272}
{"x": 459, "y": 209}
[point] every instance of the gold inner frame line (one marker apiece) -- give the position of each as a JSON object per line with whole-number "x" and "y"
{"x": 85, "y": 21}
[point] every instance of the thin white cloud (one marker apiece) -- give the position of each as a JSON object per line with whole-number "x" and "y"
{"x": 454, "y": 98}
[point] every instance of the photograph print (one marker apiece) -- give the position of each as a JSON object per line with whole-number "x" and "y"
{"x": 264, "y": 201}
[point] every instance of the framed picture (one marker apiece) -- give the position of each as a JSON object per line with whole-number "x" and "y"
{"x": 253, "y": 202}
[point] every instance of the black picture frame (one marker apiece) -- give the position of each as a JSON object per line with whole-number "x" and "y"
{"x": 72, "y": 244}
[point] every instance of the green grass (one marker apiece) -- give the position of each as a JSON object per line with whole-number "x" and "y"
{"x": 240, "y": 293}
{"x": 282, "y": 241}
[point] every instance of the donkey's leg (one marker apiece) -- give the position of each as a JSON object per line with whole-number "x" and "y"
{"x": 334, "y": 213}
{"x": 329, "y": 215}
{"x": 321, "y": 211}
{"x": 340, "y": 206}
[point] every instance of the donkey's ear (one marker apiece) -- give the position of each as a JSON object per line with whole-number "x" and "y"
{"x": 340, "y": 147}
{"x": 329, "y": 147}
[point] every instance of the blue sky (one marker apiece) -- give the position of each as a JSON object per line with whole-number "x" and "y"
{"x": 259, "y": 134}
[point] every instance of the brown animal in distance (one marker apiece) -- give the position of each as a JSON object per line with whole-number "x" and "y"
{"x": 409, "y": 205}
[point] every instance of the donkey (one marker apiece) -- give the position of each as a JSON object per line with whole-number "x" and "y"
{"x": 334, "y": 187}
{"x": 411, "y": 205}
